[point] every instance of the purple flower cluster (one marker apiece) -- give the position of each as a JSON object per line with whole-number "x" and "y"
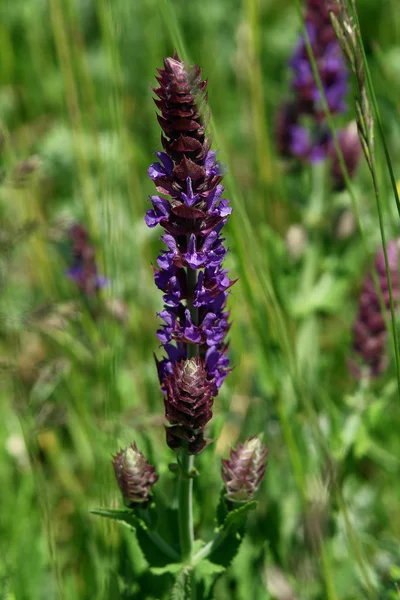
{"x": 369, "y": 330}
{"x": 300, "y": 126}
{"x": 192, "y": 211}
{"x": 84, "y": 268}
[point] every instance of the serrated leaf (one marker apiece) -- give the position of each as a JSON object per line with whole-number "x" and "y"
{"x": 182, "y": 585}
{"x": 237, "y": 517}
{"x": 222, "y": 511}
{"x": 123, "y": 515}
{"x": 152, "y": 553}
{"x": 225, "y": 552}
{"x": 171, "y": 568}
{"x": 206, "y": 576}
{"x": 230, "y": 535}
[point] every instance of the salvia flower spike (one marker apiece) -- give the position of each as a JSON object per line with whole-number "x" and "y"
{"x": 300, "y": 126}
{"x": 369, "y": 330}
{"x": 244, "y": 471}
{"x": 135, "y": 476}
{"x": 191, "y": 209}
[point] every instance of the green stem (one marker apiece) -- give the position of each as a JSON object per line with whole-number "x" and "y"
{"x": 185, "y": 493}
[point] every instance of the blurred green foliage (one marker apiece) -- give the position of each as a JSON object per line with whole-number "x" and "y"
{"x": 78, "y": 130}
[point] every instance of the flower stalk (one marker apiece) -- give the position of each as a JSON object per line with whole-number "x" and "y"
{"x": 185, "y": 504}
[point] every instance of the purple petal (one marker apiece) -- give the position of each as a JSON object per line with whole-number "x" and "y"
{"x": 214, "y": 197}
{"x": 300, "y": 141}
{"x": 189, "y": 198}
{"x": 193, "y": 258}
{"x": 192, "y": 332}
{"x": 167, "y": 162}
{"x": 170, "y": 242}
{"x": 155, "y": 171}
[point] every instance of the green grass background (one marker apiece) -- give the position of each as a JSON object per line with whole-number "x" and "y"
{"x": 75, "y": 91}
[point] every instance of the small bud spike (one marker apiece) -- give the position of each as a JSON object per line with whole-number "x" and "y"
{"x": 245, "y": 470}
{"x": 135, "y": 476}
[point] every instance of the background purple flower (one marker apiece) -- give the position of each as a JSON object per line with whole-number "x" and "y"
{"x": 369, "y": 330}
{"x": 300, "y": 127}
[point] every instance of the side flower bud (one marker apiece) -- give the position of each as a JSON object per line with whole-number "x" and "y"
{"x": 135, "y": 477}
{"x": 369, "y": 330}
{"x": 188, "y": 401}
{"x": 245, "y": 470}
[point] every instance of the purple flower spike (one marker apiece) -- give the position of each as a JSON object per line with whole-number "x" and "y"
{"x": 369, "y": 330}
{"x": 245, "y": 470}
{"x": 300, "y": 124}
{"x": 192, "y": 211}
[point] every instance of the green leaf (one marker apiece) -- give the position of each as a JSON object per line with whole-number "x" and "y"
{"x": 236, "y": 518}
{"x": 206, "y": 576}
{"x": 222, "y": 510}
{"x": 171, "y": 568}
{"x": 182, "y": 585}
{"x": 146, "y": 539}
{"x": 230, "y": 535}
{"x": 123, "y": 515}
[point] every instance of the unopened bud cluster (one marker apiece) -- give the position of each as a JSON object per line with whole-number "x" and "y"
{"x": 244, "y": 471}
{"x": 135, "y": 476}
{"x": 188, "y": 401}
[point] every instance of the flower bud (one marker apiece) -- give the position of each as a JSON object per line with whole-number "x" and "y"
{"x": 244, "y": 471}
{"x": 135, "y": 477}
{"x": 188, "y": 402}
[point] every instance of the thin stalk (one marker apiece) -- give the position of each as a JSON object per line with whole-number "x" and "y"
{"x": 185, "y": 493}
{"x": 263, "y": 151}
{"x": 371, "y": 90}
{"x": 329, "y": 578}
